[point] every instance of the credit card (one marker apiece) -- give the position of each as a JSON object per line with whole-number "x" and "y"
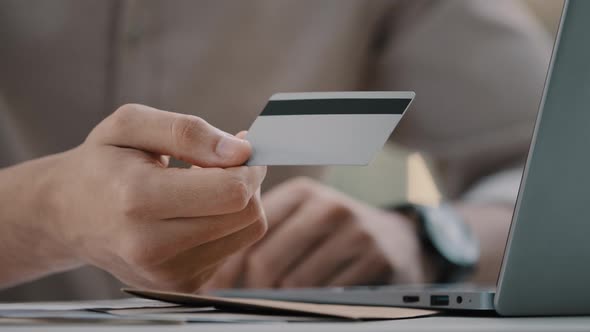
{"x": 325, "y": 128}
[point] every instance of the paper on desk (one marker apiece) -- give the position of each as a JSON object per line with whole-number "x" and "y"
{"x": 28, "y": 317}
{"x": 272, "y": 306}
{"x": 207, "y": 314}
{"x": 74, "y": 312}
{"x": 131, "y": 302}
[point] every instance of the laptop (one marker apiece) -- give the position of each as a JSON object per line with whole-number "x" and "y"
{"x": 546, "y": 264}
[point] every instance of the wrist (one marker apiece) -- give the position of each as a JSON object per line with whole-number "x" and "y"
{"x": 426, "y": 264}
{"x": 447, "y": 237}
{"x": 38, "y": 214}
{"x": 50, "y": 202}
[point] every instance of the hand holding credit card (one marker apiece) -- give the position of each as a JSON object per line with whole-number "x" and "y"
{"x": 325, "y": 128}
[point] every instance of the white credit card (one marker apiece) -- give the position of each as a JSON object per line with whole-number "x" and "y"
{"x": 325, "y": 128}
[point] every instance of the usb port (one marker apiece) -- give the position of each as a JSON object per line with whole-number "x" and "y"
{"x": 411, "y": 299}
{"x": 439, "y": 300}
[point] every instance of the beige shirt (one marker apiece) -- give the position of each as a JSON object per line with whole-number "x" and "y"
{"x": 477, "y": 68}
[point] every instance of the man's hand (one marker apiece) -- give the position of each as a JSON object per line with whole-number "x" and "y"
{"x": 320, "y": 237}
{"x": 113, "y": 202}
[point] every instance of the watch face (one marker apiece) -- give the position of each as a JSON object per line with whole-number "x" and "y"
{"x": 451, "y": 236}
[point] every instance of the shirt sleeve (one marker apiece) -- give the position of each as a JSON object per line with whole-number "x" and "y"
{"x": 478, "y": 69}
{"x": 499, "y": 188}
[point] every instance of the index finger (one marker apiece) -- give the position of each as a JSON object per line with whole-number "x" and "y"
{"x": 195, "y": 192}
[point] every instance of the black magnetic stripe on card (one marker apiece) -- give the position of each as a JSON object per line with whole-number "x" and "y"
{"x": 335, "y": 106}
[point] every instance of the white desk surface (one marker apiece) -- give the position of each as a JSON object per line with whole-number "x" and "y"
{"x": 433, "y": 323}
{"x": 561, "y": 324}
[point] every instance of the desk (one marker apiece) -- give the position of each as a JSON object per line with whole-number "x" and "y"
{"x": 432, "y": 323}
{"x": 561, "y": 324}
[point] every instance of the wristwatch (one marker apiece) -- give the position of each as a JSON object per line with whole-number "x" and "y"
{"x": 447, "y": 238}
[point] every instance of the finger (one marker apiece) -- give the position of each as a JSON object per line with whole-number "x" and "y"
{"x": 161, "y": 160}
{"x": 202, "y": 278}
{"x": 229, "y": 275}
{"x": 326, "y": 261}
{"x": 282, "y": 201}
{"x": 187, "y": 285}
{"x": 164, "y": 160}
{"x": 192, "y": 262}
{"x": 283, "y": 247}
{"x": 242, "y": 134}
{"x": 167, "y": 238}
{"x": 182, "y": 136}
{"x": 366, "y": 270}
{"x": 191, "y": 192}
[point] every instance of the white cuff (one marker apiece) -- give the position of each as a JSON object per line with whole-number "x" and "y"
{"x": 501, "y": 187}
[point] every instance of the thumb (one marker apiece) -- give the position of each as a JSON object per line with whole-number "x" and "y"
{"x": 185, "y": 137}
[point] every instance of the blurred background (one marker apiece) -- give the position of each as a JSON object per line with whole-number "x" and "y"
{"x": 397, "y": 174}
{"x": 187, "y": 58}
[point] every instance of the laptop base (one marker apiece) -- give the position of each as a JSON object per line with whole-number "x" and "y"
{"x": 440, "y": 297}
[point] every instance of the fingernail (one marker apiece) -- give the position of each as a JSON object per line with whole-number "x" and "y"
{"x": 228, "y": 146}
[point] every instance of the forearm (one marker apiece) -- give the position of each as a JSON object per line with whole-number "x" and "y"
{"x": 28, "y": 249}
{"x": 490, "y": 223}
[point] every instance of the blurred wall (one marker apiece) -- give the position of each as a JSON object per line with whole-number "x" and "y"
{"x": 399, "y": 175}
